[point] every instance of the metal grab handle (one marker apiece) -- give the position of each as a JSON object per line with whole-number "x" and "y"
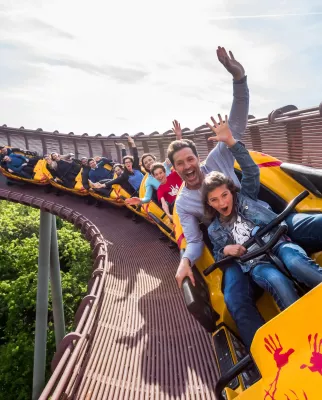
{"x": 271, "y": 243}
{"x": 230, "y": 375}
{"x": 290, "y": 207}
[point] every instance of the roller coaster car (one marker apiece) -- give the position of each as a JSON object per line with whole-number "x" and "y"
{"x": 116, "y": 196}
{"x": 39, "y": 177}
{"x": 286, "y": 356}
{"x": 78, "y": 189}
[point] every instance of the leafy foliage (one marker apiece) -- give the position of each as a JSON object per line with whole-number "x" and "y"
{"x": 18, "y": 289}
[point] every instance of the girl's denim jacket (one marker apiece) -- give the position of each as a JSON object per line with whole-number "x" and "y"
{"x": 246, "y": 205}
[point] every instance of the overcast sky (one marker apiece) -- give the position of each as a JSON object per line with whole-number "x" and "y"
{"x": 104, "y": 66}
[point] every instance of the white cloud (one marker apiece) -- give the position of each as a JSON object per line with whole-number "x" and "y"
{"x": 129, "y": 66}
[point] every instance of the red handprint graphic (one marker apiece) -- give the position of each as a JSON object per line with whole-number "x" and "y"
{"x": 296, "y": 396}
{"x": 316, "y": 357}
{"x": 281, "y": 359}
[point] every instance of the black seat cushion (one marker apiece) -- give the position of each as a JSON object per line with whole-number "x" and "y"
{"x": 310, "y": 178}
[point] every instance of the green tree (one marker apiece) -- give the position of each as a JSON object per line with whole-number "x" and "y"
{"x": 18, "y": 288}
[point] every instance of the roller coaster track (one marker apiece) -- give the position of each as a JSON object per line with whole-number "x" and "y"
{"x": 134, "y": 338}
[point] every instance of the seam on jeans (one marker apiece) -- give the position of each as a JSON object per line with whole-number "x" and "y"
{"x": 273, "y": 290}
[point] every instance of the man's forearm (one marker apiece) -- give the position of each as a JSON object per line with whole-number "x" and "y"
{"x": 193, "y": 251}
{"x": 191, "y": 231}
{"x": 239, "y": 110}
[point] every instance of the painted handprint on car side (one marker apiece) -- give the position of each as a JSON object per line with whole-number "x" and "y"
{"x": 296, "y": 397}
{"x": 316, "y": 356}
{"x": 274, "y": 347}
{"x": 280, "y": 358}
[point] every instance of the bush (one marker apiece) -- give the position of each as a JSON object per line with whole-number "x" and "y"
{"x": 18, "y": 288}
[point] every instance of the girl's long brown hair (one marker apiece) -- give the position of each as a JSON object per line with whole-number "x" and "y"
{"x": 212, "y": 182}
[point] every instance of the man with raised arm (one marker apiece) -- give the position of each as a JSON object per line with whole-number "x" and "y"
{"x": 184, "y": 157}
{"x": 304, "y": 229}
{"x": 238, "y": 289}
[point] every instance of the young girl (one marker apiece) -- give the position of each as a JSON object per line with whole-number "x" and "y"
{"x": 236, "y": 212}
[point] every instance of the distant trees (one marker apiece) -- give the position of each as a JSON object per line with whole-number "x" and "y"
{"x": 19, "y": 226}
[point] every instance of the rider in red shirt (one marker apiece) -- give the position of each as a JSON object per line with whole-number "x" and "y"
{"x": 168, "y": 189}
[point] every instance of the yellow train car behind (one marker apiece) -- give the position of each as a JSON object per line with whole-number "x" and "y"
{"x": 39, "y": 178}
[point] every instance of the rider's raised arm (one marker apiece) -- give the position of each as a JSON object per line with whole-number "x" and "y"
{"x": 136, "y": 160}
{"x": 220, "y": 158}
{"x": 123, "y": 152}
{"x": 239, "y": 110}
{"x": 192, "y": 233}
{"x": 238, "y": 116}
{"x": 250, "y": 183}
{"x": 148, "y": 194}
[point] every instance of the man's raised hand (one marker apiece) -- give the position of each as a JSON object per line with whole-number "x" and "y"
{"x": 231, "y": 65}
{"x": 222, "y": 131}
{"x": 177, "y": 129}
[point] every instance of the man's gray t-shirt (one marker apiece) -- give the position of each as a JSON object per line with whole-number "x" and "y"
{"x": 188, "y": 203}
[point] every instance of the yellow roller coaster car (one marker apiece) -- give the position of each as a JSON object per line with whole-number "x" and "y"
{"x": 78, "y": 189}
{"x": 286, "y": 353}
{"x": 39, "y": 178}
